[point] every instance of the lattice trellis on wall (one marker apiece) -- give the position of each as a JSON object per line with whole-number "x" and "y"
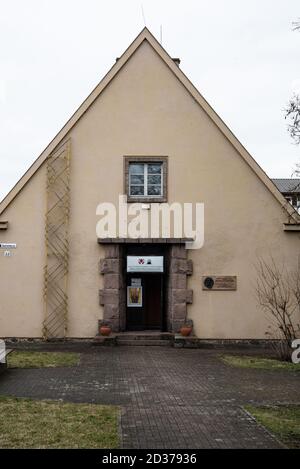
{"x": 57, "y": 243}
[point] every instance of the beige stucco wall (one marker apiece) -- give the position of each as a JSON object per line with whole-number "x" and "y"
{"x": 21, "y": 275}
{"x": 146, "y": 111}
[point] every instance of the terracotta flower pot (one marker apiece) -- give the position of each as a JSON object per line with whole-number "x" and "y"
{"x": 105, "y": 330}
{"x": 185, "y": 330}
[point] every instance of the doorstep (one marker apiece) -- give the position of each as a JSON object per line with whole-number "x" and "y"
{"x": 136, "y": 338}
{"x": 147, "y": 338}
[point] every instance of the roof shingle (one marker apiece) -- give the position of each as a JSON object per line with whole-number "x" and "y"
{"x": 287, "y": 185}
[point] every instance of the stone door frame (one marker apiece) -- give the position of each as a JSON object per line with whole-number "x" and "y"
{"x": 113, "y": 295}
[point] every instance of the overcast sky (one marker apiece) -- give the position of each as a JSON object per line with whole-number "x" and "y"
{"x": 241, "y": 55}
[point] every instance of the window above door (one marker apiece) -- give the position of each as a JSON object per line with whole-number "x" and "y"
{"x": 146, "y": 179}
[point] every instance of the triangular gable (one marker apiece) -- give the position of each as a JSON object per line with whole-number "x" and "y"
{"x": 145, "y": 35}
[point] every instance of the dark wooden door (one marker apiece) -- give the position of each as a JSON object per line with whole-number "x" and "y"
{"x": 153, "y": 301}
{"x": 148, "y": 312}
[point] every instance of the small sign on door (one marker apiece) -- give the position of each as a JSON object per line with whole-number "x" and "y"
{"x": 134, "y": 297}
{"x": 136, "y": 282}
{"x": 145, "y": 264}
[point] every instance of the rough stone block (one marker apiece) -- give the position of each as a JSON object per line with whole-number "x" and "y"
{"x": 189, "y": 267}
{"x": 111, "y": 312}
{"x": 110, "y": 266}
{"x": 177, "y": 281}
{"x": 112, "y": 281}
{"x": 101, "y": 297}
{"x": 112, "y": 251}
{"x": 178, "y": 312}
{"x": 114, "y": 324}
{"x": 178, "y": 251}
{"x": 179, "y": 296}
{"x": 189, "y": 296}
{"x": 109, "y": 297}
{"x": 178, "y": 266}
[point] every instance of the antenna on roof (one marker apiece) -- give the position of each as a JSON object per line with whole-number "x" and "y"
{"x": 143, "y": 14}
{"x": 161, "y": 34}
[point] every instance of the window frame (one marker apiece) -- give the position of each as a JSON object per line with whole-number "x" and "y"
{"x": 163, "y": 160}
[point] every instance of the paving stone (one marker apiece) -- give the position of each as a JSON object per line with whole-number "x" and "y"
{"x": 170, "y": 398}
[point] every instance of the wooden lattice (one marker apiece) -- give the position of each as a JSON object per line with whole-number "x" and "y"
{"x": 57, "y": 243}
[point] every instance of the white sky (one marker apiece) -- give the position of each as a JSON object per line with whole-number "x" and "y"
{"x": 241, "y": 55}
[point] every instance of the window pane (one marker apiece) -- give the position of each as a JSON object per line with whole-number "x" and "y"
{"x": 137, "y": 179}
{"x": 154, "y": 178}
{"x": 154, "y": 190}
{"x": 136, "y": 168}
{"x": 154, "y": 168}
{"x": 136, "y": 190}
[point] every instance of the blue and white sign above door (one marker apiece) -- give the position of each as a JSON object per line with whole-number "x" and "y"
{"x": 145, "y": 264}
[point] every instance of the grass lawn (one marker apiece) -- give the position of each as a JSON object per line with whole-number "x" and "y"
{"x": 282, "y": 421}
{"x": 20, "y": 359}
{"x": 27, "y": 423}
{"x": 259, "y": 363}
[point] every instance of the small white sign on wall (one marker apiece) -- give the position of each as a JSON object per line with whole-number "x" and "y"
{"x": 8, "y": 245}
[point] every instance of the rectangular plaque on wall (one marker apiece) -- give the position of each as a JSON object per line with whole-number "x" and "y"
{"x": 219, "y": 282}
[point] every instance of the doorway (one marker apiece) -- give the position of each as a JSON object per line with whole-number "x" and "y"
{"x": 162, "y": 300}
{"x": 144, "y": 309}
{"x": 145, "y": 267}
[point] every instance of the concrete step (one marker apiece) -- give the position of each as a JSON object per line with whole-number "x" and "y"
{"x": 146, "y": 342}
{"x": 145, "y": 336}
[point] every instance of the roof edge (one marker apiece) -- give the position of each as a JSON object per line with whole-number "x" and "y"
{"x": 116, "y": 67}
{"x": 145, "y": 34}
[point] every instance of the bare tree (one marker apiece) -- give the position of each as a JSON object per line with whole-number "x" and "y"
{"x": 296, "y": 25}
{"x": 278, "y": 293}
{"x": 292, "y": 112}
{"x": 295, "y": 285}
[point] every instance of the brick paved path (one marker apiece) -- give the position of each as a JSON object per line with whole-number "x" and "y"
{"x": 170, "y": 398}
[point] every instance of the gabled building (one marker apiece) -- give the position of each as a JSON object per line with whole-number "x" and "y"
{"x": 145, "y": 139}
